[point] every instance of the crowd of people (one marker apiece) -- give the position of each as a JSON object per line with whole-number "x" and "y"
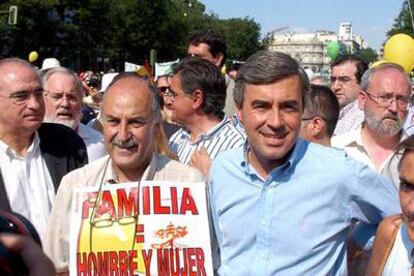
{"x": 305, "y": 176}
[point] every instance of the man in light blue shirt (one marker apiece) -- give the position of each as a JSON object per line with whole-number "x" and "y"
{"x": 282, "y": 205}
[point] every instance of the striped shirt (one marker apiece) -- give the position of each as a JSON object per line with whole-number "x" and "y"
{"x": 222, "y": 137}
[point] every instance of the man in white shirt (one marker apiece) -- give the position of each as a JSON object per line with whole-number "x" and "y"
{"x": 385, "y": 98}
{"x": 346, "y": 75}
{"x": 63, "y": 98}
{"x": 33, "y": 156}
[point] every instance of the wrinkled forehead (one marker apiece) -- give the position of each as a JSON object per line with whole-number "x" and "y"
{"x": 392, "y": 80}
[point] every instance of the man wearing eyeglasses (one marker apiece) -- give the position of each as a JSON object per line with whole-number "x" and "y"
{"x": 163, "y": 84}
{"x": 63, "y": 100}
{"x": 198, "y": 90}
{"x": 320, "y": 115}
{"x": 34, "y": 156}
{"x": 346, "y": 73}
{"x": 384, "y": 99}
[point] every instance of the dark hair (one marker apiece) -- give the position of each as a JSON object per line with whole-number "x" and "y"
{"x": 198, "y": 73}
{"x": 404, "y": 147}
{"x": 360, "y": 65}
{"x": 265, "y": 67}
{"x": 156, "y": 105}
{"x": 321, "y": 101}
{"x": 213, "y": 39}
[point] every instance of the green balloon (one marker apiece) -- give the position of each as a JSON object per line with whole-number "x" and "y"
{"x": 333, "y": 49}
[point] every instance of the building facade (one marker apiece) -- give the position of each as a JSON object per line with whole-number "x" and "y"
{"x": 310, "y": 48}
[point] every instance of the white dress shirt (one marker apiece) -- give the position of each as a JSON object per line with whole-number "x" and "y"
{"x": 400, "y": 261}
{"x": 28, "y": 183}
{"x": 94, "y": 142}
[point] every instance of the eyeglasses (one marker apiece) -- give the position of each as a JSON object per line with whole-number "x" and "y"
{"x": 164, "y": 89}
{"x": 57, "y": 96}
{"x": 385, "y": 100}
{"x": 341, "y": 79}
{"x": 106, "y": 219}
{"x": 23, "y": 97}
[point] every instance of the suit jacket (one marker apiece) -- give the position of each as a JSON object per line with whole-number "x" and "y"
{"x": 63, "y": 151}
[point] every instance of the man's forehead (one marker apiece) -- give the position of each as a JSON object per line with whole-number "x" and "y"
{"x": 346, "y": 67}
{"x": 14, "y": 74}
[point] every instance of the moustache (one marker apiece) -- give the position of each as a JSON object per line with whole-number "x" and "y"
{"x": 131, "y": 142}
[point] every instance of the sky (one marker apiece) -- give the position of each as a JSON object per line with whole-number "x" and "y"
{"x": 370, "y": 18}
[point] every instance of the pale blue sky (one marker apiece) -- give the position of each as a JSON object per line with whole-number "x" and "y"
{"x": 370, "y": 18}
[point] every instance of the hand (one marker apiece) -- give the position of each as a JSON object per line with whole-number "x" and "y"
{"x": 32, "y": 255}
{"x": 201, "y": 161}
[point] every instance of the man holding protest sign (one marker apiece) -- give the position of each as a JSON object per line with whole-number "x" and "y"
{"x": 130, "y": 113}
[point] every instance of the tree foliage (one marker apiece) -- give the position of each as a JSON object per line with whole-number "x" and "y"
{"x": 102, "y": 34}
{"x": 403, "y": 23}
{"x": 368, "y": 55}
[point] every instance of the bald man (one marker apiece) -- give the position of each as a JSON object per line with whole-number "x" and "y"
{"x": 34, "y": 156}
{"x": 130, "y": 113}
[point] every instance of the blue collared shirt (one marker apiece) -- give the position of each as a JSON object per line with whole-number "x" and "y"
{"x": 296, "y": 221}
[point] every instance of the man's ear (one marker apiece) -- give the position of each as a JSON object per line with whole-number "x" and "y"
{"x": 198, "y": 98}
{"x": 239, "y": 113}
{"x": 318, "y": 125}
{"x": 218, "y": 59}
{"x": 362, "y": 98}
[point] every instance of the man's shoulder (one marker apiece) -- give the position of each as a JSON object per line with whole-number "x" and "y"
{"x": 347, "y": 139}
{"x": 90, "y": 133}
{"x": 88, "y": 174}
{"x": 58, "y": 134}
{"x": 175, "y": 171}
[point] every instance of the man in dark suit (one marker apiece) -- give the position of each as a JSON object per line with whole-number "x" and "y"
{"x": 33, "y": 156}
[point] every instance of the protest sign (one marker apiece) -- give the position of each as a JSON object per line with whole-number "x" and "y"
{"x": 147, "y": 228}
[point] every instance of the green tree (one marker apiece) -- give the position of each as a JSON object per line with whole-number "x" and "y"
{"x": 403, "y": 23}
{"x": 368, "y": 54}
{"x": 102, "y": 34}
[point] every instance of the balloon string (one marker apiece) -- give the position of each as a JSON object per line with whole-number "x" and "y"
{"x": 411, "y": 13}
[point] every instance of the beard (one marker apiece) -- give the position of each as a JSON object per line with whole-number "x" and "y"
{"x": 378, "y": 123}
{"x": 72, "y": 123}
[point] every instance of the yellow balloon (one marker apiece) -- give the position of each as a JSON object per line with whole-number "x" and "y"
{"x": 33, "y": 56}
{"x": 400, "y": 49}
{"x": 378, "y": 62}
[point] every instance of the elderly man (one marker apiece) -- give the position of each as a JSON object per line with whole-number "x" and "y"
{"x": 394, "y": 242}
{"x": 63, "y": 98}
{"x": 277, "y": 208}
{"x": 385, "y": 99}
{"x": 33, "y": 156}
{"x": 131, "y": 114}
{"x": 346, "y": 76}
{"x": 198, "y": 91}
{"x": 320, "y": 115}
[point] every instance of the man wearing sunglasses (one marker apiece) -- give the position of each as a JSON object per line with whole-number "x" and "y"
{"x": 346, "y": 74}
{"x": 34, "y": 156}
